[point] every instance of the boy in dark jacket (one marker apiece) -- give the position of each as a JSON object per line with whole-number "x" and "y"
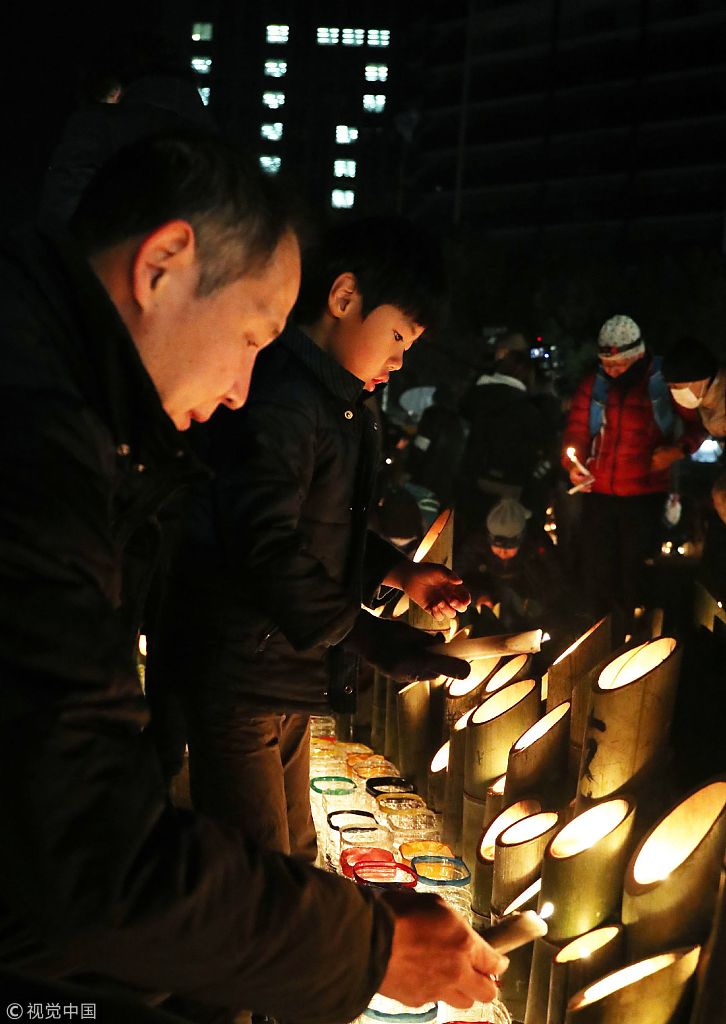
{"x": 278, "y": 553}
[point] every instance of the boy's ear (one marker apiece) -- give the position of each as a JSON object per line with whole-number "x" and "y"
{"x": 342, "y": 295}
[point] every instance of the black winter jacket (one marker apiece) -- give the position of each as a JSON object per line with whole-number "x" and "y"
{"x": 277, "y": 556}
{"x": 99, "y": 875}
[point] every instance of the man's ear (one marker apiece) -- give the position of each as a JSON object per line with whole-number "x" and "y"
{"x": 168, "y": 251}
{"x": 343, "y": 296}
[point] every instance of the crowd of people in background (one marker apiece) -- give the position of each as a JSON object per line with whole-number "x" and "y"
{"x": 565, "y": 502}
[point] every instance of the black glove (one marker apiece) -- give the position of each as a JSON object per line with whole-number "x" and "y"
{"x": 400, "y": 651}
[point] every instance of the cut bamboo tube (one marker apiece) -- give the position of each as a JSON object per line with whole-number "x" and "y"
{"x": 378, "y": 711}
{"x": 653, "y": 991}
{"x": 390, "y": 747}
{"x": 710, "y": 999}
{"x": 515, "y": 668}
{"x": 583, "y": 868}
{"x": 631, "y": 709}
{"x": 529, "y": 642}
{"x": 437, "y": 778}
{"x": 494, "y": 804}
{"x": 484, "y": 860}
{"x": 515, "y": 980}
{"x": 472, "y": 822}
{"x": 454, "y": 792}
{"x": 462, "y": 694}
{"x": 437, "y": 546}
{"x": 543, "y": 953}
{"x": 584, "y": 654}
{"x": 413, "y": 733}
{"x": 518, "y": 853}
{"x": 671, "y": 882}
{"x": 538, "y": 759}
{"x": 493, "y": 728}
{"x": 706, "y": 609}
{"x": 581, "y": 962}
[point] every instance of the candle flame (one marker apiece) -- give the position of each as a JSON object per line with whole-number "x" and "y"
{"x": 570, "y": 453}
{"x": 546, "y": 911}
{"x": 142, "y": 645}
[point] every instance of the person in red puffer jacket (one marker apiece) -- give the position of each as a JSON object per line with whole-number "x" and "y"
{"x": 622, "y": 437}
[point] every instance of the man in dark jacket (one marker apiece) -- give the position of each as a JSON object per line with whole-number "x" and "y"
{"x": 187, "y": 266}
{"x": 278, "y": 554}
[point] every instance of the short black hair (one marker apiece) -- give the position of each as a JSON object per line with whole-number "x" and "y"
{"x": 394, "y": 261}
{"x": 238, "y": 213}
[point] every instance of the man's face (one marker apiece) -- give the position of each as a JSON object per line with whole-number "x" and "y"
{"x": 373, "y": 348}
{"x": 200, "y": 351}
{"x": 504, "y": 553}
{"x": 617, "y": 367}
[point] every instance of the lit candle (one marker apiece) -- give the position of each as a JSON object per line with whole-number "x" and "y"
{"x": 572, "y": 456}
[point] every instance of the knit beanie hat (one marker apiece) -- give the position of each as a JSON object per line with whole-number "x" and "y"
{"x": 507, "y": 522}
{"x": 688, "y": 360}
{"x": 619, "y": 339}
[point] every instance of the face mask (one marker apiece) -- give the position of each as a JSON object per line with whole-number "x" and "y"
{"x": 686, "y": 398}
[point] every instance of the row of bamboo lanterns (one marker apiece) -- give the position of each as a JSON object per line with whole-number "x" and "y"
{"x": 547, "y": 791}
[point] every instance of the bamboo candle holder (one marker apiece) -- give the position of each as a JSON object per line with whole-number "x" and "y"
{"x": 492, "y": 729}
{"x": 711, "y": 977}
{"x": 454, "y": 790}
{"x": 436, "y": 546}
{"x": 486, "y": 849}
{"x": 494, "y": 803}
{"x": 587, "y": 651}
{"x": 413, "y": 702}
{"x": 462, "y": 694}
{"x": 515, "y": 980}
{"x": 581, "y": 962}
{"x": 653, "y": 991}
{"x": 511, "y": 670}
{"x": 631, "y": 708}
{"x": 543, "y": 953}
{"x": 537, "y": 761}
{"x": 437, "y": 778}
{"x": 518, "y": 852}
{"x": 583, "y": 868}
{"x": 671, "y": 882}
{"x": 472, "y": 823}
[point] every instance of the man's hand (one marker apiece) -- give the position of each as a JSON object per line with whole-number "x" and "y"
{"x": 436, "y": 955}
{"x": 664, "y": 456}
{"x": 436, "y": 589}
{"x": 400, "y": 651}
{"x": 582, "y": 480}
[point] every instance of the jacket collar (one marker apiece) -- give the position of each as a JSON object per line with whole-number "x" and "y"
{"x": 334, "y": 377}
{"x": 96, "y": 344}
{"x": 501, "y": 378}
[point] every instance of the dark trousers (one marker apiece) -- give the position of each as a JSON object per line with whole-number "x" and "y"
{"x": 618, "y": 534}
{"x": 251, "y": 770}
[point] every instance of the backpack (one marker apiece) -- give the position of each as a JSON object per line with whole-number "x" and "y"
{"x": 664, "y": 414}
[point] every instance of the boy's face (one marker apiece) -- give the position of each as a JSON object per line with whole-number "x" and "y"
{"x": 373, "y": 348}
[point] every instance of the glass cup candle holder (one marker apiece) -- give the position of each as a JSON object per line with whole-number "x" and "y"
{"x": 329, "y": 793}
{"x": 359, "y": 836}
{"x": 382, "y": 785}
{"x": 361, "y": 854}
{"x": 387, "y": 803}
{"x": 424, "y": 848}
{"x": 373, "y": 767}
{"x": 336, "y": 821}
{"x": 416, "y": 823}
{"x": 322, "y": 726}
{"x": 448, "y": 877}
{"x": 389, "y": 876}
{"x": 383, "y": 1010}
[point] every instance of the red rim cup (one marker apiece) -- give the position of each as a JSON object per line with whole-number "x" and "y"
{"x": 353, "y": 856}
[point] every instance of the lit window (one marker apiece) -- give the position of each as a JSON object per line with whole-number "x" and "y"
{"x": 374, "y": 104}
{"x": 328, "y": 36}
{"x": 204, "y": 91}
{"x": 273, "y": 100}
{"x": 344, "y": 168}
{"x": 379, "y": 37}
{"x": 345, "y": 134}
{"x": 202, "y": 31}
{"x": 271, "y": 164}
{"x": 376, "y": 72}
{"x": 275, "y": 68}
{"x": 354, "y": 36}
{"x": 278, "y": 33}
{"x": 271, "y": 132}
{"x": 202, "y": 65}
{"x": 342, "y": 198}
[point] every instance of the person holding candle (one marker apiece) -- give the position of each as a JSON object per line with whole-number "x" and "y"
{"x": 622, "y": 436}
{"x": 182, "y": 264}
{"x": 263, "y": 623}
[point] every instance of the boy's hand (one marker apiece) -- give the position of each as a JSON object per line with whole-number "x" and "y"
{"x": 401, "y": 651}
{"x": 436, "y": 955}
{"x": 436, "y": 589}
